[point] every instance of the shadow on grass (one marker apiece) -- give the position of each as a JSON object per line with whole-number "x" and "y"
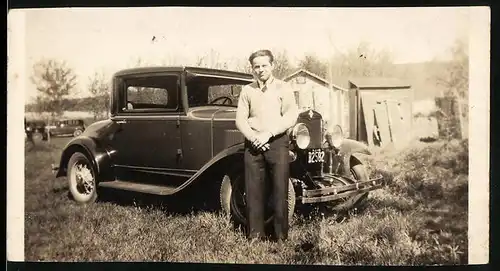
{"x": 195, "y": 201}
{"x": 428, "y": 139}
{"x": 183, "y": 203}
{"x": 37, "y": 146}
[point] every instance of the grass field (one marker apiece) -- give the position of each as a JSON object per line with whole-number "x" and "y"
{"x": 421, "y": 218}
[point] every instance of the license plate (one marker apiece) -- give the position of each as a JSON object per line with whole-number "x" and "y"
{"x": 315, "y": 156}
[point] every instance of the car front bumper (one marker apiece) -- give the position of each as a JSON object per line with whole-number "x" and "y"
{"x": 331, "y": 193}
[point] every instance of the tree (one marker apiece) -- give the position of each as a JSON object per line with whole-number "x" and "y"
{"x": 313, "y": 64}
{"x": 361, "y": 61}
{"x": 282, "y": 66}
{"x": 212, "y": 59}
{"x": 171, "y": 60}
{"x": 242, "y": 65}
{"x": 137, "y": 63}
{"x": 455, "y": 80}
{"x": 54, "y": 81}
{"x": 99, "y": 88}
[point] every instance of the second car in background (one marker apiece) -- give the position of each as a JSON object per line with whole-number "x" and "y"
{"x": 74, "y": 127}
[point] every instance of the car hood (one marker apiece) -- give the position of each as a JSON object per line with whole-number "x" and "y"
{"x": 215, "y": 113}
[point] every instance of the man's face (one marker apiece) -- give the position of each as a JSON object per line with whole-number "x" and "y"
{"x": 262, "y": 67}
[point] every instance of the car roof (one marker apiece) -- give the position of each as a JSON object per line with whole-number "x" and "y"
{"x": 189, "y": 69}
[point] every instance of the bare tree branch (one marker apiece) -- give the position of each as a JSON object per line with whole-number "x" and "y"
{"x": 361, "y": 61}
{"x": 455, "y": 78}
{"x": 282, "y": 65}
{"x": 313, "y": 64}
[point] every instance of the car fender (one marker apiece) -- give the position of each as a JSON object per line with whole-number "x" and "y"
{"x": 100, "y": 157}
{"x": 230, "y": 151}
{"x": 350, "y": 147}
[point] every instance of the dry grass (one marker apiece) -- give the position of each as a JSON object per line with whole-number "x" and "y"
{"x": 421, "y": 218}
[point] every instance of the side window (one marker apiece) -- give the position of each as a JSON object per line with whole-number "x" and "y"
{"x": 158, "y": 93}
{"x": 224, "y": 94}
{"x": 147, "y": 97}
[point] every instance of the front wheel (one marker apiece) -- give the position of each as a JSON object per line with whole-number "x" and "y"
{"x": 233, "y": 201}
{"x": 360, "y": 174}
{"x": 81, "y": 179}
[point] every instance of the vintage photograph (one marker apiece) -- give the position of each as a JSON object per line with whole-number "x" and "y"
{"x": 331, "y": 136}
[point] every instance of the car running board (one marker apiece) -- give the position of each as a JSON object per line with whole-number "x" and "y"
{"x": 154, "y": 189}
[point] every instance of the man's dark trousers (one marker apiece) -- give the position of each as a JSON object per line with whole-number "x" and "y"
{"x": 257, "y": 164}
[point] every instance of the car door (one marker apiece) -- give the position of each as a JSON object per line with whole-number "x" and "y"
{"x": 56, "y": 128}
{"x": 148, "y": 138}
{"x": 67, "y": 127}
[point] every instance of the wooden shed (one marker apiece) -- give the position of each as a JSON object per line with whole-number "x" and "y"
{"x": 315, "y": 92}
{"x": 381, "y": 110}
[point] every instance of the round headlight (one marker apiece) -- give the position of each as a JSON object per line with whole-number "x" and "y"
{"x": 301, "y": 135}
{"x": 337, "y": 136}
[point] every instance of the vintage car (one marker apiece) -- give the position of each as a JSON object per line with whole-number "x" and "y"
{"x": 74, "y": 127}
{"x": 173, "y": 127}
{"x": 35, "y": 130}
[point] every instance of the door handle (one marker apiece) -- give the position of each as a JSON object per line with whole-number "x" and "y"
{"x": 121, "y": 121}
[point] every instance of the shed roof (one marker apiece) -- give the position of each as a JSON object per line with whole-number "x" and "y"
{"x": 378, "y": 82}
{"x": 313, "y": 75}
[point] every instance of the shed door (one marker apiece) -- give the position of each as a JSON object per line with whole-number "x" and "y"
{"x": 376, "y": 121}
{"x": 399, "y": 123}
{"x": 387, "y": 117}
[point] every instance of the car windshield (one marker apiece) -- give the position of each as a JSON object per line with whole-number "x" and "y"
{"x": 204, "y": 91}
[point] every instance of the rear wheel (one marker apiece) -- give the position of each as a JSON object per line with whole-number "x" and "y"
{"x": 233, "y": 198}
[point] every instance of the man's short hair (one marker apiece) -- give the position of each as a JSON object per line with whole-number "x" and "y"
{"x": 261, "y": 53}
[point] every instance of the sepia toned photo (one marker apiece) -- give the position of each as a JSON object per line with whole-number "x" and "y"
{"x": 298, "y": 136}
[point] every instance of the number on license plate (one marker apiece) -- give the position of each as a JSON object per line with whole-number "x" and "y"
{"x": 316, "y": 156}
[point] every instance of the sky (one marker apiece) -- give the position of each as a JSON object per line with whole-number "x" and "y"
{"x": 106, "y": 40}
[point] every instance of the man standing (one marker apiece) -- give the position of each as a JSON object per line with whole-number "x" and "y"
{"x": 266, "y": 109}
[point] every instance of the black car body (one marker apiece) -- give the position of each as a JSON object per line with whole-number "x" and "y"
{"x": 171, "y": 127}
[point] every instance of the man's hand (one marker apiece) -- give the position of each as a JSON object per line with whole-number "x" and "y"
{"x": 265, "y": 147}
{"x": 261, "y": 140}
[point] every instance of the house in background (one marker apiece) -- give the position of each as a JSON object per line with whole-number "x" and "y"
{"x": 382, "y": 110}
{"x": 314, "y": 92}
